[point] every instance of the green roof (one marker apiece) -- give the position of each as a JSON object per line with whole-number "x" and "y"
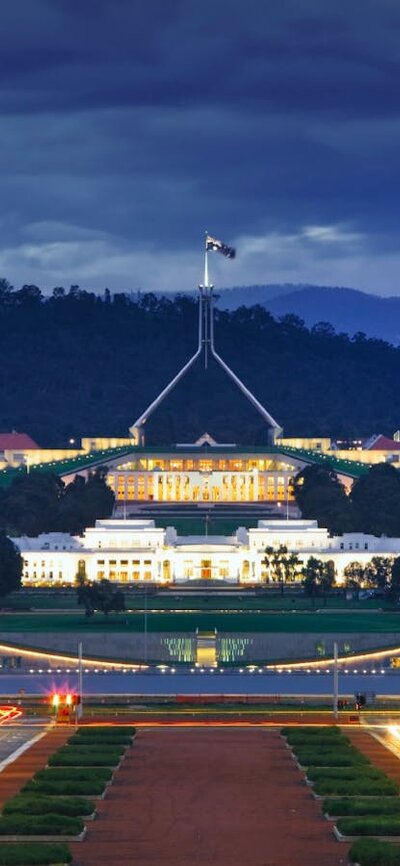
{"x": 351, "y": 468}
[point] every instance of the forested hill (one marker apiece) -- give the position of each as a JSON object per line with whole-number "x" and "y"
{"x": 77, "y": 364}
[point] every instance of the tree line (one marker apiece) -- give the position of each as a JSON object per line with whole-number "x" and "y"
{"x": 372, "y": 505}
{"x": 96, "y": 361}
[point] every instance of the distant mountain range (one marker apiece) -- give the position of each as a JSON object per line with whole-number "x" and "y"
{"x": 348, "y": 310}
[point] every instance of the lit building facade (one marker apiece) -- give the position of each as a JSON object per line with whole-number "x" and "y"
{"x": 134, "y": 551}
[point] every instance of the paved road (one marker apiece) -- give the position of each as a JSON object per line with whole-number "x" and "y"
{"x": 13, "y": 737}
{"x": 186, "y": 683}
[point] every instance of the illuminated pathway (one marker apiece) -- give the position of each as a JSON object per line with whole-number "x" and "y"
{"x": 224, "y": 797}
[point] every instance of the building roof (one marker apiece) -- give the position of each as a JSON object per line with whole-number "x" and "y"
{"x": 16, "y": 442}
{"x": 382, "y": 443}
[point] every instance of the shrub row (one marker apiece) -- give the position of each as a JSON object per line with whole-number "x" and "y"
{"x": 103, "y": 731}
{"x": 373, "y": 852}
{"x": 84, "y": 774}
{"x": 311, "y": 732}
{"x": 342, "y": 806}
{"x": 40, "y": 825}
{"x": 343, "y": 774}
{"x": 373, "y": 825}
{"x": 33, "y": 853}
{"x": 326, "y": 758}
{"x": 92, "y": 788}
{"x": 70, "y": 806}
{"x": 77, "y": 758}
{"x": 362, "y": 787}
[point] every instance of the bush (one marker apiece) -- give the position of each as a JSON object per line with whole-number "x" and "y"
{"x": 78, "y": 774}
{"x": 357, "y": 771}
{"x": 91, "y": 788}
{"x": 33, "y": 853}
{"x": 373, "y": 852}
{"x": 312, "y": 731}
{"x": 80, "y": 741}
{"x": 107, "y": 730}
{"x": 40, "y": 825}
{"x": 326, "y": 758}
{"x": 91, "y": 749}
{"x": 362, "y": 806}
{"x": 359, "y": 787}
{"x": 374, "y": 825}
{"x": 84, "y": 759}
{"x": 72, "y": 806}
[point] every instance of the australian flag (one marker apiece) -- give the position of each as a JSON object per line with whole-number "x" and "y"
{"x": 220, "y": 247}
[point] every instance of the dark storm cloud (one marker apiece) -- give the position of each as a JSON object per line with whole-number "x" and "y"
{"x": 126, "y": 128}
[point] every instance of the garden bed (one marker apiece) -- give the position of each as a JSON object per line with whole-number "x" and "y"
{"x": 374, "y": 852}
{"x": 34, "y": 854}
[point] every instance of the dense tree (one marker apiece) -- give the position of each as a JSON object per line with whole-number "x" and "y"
{"x": 318, "y": 577}
{"x": 281, "y": 565}
{"x": 10, "y": 566}
{"x": 99, "y": 595}
{"x": 378, "y": 571}
{"x": 375, "y": 500}
{"x": 40, "y": 502}
{"x": 354, "y": 575}
{"x": 393, "y": 589}
{"x": 320, "y": 495}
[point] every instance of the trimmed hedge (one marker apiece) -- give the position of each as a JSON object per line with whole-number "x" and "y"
{"x": 71, "y": 806}
{"x": 343, "y": 806}
{"x": 104, "y": 730}
{"x": 359, "y": 787}
{"x": 312, "y": 731}
{"x": 96, "y": 760}
{"x": 40, "y": 825}
{"x": 94, "y": 746}
{"x": 326, "y": 758}
{"x": 358, "y": 771}
{"x": 80, "y": 741}
{"x": 33, "y": 853}
{"x": 91, "y": 788}
{"x": 373, "y": 825}
{"x": 98, "y": 749}
{"x": 78, "y": 774}
{"x": 373, "y": 852}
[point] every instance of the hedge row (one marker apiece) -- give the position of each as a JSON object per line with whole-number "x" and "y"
{"x": 75, "y": 758}
{"x": 70, "y": 806}
{"x": 79, "y": 774}
{"x": 40, "y": 825}
{"x": 312, "y": 731}
{"x": 33, "y": 853}
{"x": 325, "y": 758}
{"x": 361, "y": 787}
{"x": 343, "y": 806}
{"x": 104, "y": 731}
{"x": 370, "y": 825}
{"x": 342, "y": 774}
{"x": 373, "y": 852}
{"x": 92, "y": 788}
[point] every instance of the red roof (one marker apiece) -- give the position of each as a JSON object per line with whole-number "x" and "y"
{"x": 383, "y": 443}
{"x": 16, "y": 442}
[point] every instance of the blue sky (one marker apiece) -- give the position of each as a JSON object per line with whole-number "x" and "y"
{"x": 128, "y": 127}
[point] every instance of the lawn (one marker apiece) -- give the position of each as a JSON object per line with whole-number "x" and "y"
{"x": 371, "y": 623}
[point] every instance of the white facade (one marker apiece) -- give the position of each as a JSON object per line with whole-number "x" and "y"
{"x": 136, "y": 550}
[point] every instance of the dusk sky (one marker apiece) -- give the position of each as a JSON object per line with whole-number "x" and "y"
{"x": 128, "y": 127}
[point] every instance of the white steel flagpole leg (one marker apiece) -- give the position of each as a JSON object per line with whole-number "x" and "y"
{"x": 335, "y": 680}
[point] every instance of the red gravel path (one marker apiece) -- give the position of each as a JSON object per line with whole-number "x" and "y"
{"x": 376, "y": 752}
{"x": 14, "y": 776}
{"x": 209, "y": 796}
